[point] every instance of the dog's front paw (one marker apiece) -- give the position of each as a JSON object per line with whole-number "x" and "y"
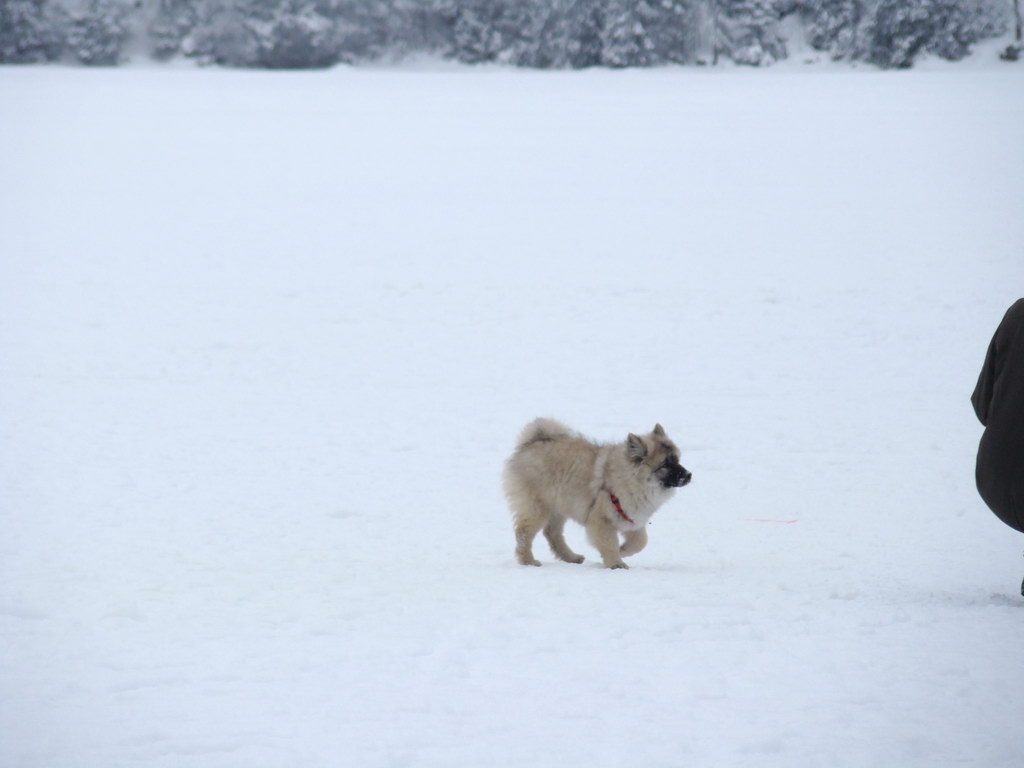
{"x": 617, "y": 566}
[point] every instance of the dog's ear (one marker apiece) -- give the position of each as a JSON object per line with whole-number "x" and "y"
{"x": 659, "y": 430}
{"x": 636, "y": 448}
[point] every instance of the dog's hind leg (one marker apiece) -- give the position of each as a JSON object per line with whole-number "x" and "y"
{"x": 530, "y": 517}
{"x": 525, "y": 531}
{"x": 553, "y": 532}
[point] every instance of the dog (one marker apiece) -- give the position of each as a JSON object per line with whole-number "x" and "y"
{"x": 612, "y": 490}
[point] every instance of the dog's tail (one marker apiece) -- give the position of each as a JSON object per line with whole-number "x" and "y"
{"x": 542, "y": 431}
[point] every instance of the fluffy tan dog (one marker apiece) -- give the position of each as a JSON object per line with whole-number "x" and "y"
{"x": 612, "y": 490}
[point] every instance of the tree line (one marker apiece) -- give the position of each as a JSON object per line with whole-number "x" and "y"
{"x": 547, "y": 34}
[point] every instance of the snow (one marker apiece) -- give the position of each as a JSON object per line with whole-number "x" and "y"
{"x": 267, "y": 338}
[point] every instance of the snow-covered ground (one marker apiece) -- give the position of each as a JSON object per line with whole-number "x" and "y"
{"x": 267, "y": 338}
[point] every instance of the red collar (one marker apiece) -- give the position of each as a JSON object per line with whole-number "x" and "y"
{"x": 618, "y": 508}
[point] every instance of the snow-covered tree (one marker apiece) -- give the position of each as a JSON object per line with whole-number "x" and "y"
{"x": 97, "y": 31}
{"x": 277, "y": 34}
{"x": 478, "y": 32}
{"x": 529, "y": 33}
{"x": 295, "y": 34}
{"x": 833, "y": 26}
{"x": 497, "y": 30}
{"x": 30, "y": 31}
{"x": 566, "y": 35}
{"x": 750, "y": 29}
{"x": 675, "y": 31}
{"x": 1013, "y": 51}
{"x": 365, "y": 31}
{"x": 421, "y": 26}
{"x": 625, "y": 39}
{"x": 898, "y": 31}
{"x": 171, "y": 23}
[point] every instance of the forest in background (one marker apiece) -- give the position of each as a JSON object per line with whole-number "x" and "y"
{"x": 543, "y": 34}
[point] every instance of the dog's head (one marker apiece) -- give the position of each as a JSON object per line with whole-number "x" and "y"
{"x": 659, "y": 456}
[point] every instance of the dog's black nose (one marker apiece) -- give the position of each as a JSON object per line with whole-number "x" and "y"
{"x": 686, "y": 478}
